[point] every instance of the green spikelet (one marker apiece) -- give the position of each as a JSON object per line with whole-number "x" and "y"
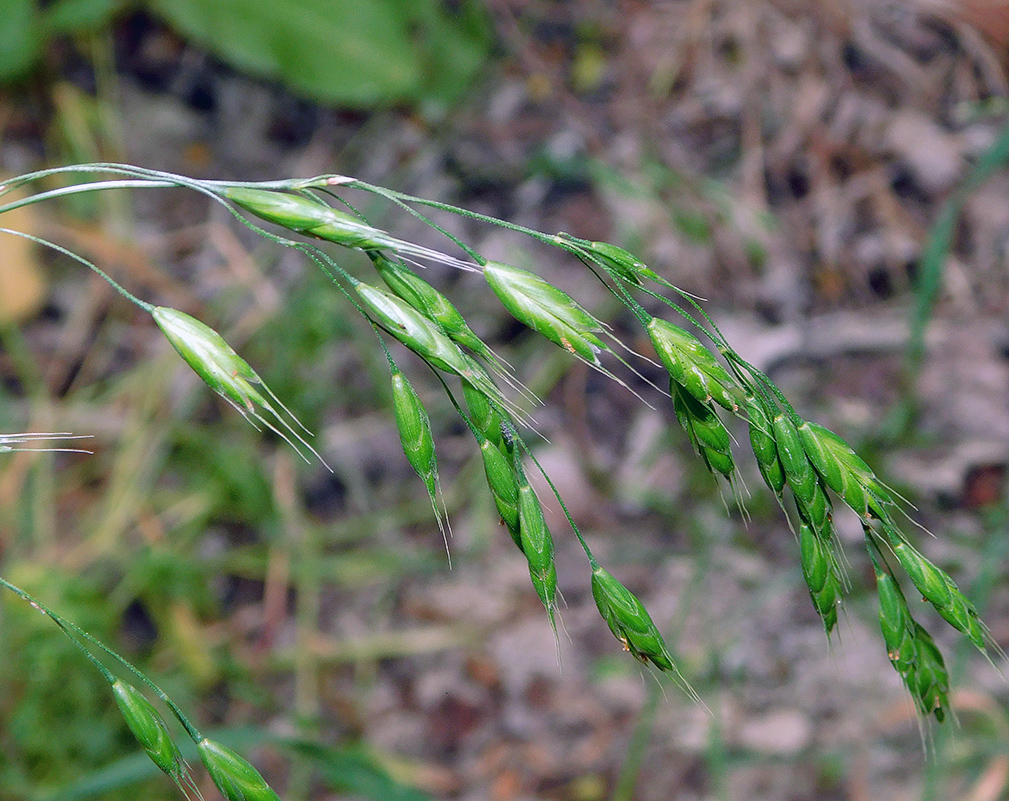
{"x": 150, "y": 730}
{"x": 233, "y": 775}
{"x": 633, "y": 626}
{"x": 547, "y": 310}
{"x": 691, "y": 365}
{"x": 538, "y": 546}
{"x": 707, "y": 433}
{"x": 822, "y": 575}
{"x": 313, "y": 217}
{"x": 227, "y": 373}
{"x": 417, "y": 439}
{"x": 620, "y": 263}
{"x": 765, "y": 451}
{"x": 504, "y": 487}
{"x": 845, "y": 473}
{"x": 409, "y": 286}
{"x": 911, "y": 649}
{"x": 939, "y": 589}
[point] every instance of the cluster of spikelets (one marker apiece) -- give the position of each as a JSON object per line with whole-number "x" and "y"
{"x": 806, "y": 466}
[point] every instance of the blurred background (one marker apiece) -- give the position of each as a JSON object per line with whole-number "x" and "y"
{"x": 829, "y": 176}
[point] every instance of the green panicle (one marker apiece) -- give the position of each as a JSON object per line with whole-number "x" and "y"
{"x": 233, "y": 775}
{"x": 538, "y": 545}
{"x": 313, "y": 217}
{"x": 150, "y": 730}
{"x": 409, "y": 286}
{"x": 691, "y": 365}
{"x": 547, "y": 310}
{"x": 708, "y": 435}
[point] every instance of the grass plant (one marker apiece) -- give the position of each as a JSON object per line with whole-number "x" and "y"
{"x": 807, "y": 467}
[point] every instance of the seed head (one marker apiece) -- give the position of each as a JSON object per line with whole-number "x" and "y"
{"x": 227, "y": 373}
{"x": 149, "y": 728}
{"x": 691, "y": 365}
{"x": 621, "y": 263}
{"x": 547, "y": 310}
{"x": 708, "y": 435}
{"x": 764, "y": 448}
{"x": 308, "y": 216}
{"x": 234, "y": 776}
{"x": 409, "y": 286}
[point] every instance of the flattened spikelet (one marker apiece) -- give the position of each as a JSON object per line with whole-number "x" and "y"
{"x": 503, "y": 485}
{"x": 799, "y": 472}
{"x": 844, "y": 472}
{"x": 621, "y": 263}
{"x": 708, "y": 435}
{"x": 691, "y": 365}
{"x": 939, "y": 589}
{"x": 233, "y": 775}
{"x": 822, "y": 575}
{"x": 765, "y": 451}
{"x": 150, "y": 730}
{"x": 547, "y": 310}
{"x": 538, "y": 546}
{"x": 911, "y": 649}
{"x": 227, "y": 373}
{"x": 417, "y": 440}
{"x": 307, "y": 216}
{"x": 631, "y": 624}
{"x": 409, "y": 286}
{"x": 425, "y": 339}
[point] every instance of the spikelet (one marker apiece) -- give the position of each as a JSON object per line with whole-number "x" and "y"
{"x": 547, "y": 310}
{"x": 765, "y": 451}
{"x": 425, "y": 338}
{"x": 537, "y": 544}
{"x": 227, "y": 373}
{"x": 631, "y": 624}
{"x": 233, "y": 775}
{"x": 501, "y": 479}
{"x": 417, "y": 440}
{"x": 822, "y": 574}
{"x": 939, "y": 589}
{"x": 151, "y": 732}
{"x": 691, "y": 365}
{"x": 409, "y": 286}
{"x": 309, "y": 216}
{"x": 844, "y": 472}
{"x": 621, "y": 263}
{"x": 708, "y": 435}
{"x": 312, "y": 217}
{"x": 911, "y": 649}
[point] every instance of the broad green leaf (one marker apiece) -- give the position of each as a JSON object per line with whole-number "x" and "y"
{"x": 352, "y": 52}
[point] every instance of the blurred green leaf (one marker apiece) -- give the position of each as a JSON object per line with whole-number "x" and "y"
{"x": 355, "y": 52}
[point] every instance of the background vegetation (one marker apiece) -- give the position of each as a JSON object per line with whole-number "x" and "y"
{"x": 784, "y": 162}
